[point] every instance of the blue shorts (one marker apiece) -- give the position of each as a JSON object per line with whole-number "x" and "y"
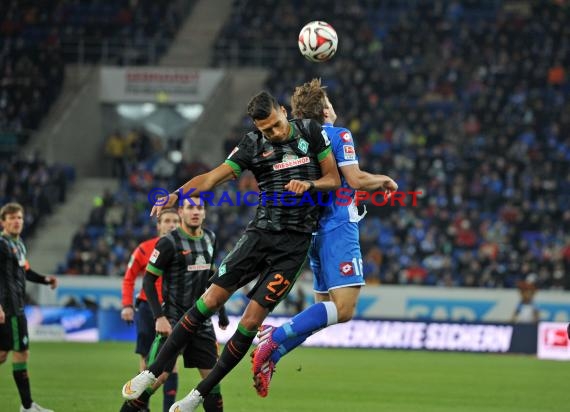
{"x": 144, "y": 320}
{"x": 336, "y": 259}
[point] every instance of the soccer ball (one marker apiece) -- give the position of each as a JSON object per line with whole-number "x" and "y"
{"x": 318, "y": 41}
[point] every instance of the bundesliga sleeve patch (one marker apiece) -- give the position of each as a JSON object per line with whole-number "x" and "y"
{"x": 349, "y": 153}
{"x": 154, "y": 256}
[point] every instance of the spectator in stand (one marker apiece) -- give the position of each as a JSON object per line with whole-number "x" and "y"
{"x": 35, "y": 185}
{"x": 115, "y": 149}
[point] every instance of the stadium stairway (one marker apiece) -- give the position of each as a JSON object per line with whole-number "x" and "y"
{"x": 72, "y": 131}
{"x": 194, "y": 42}
{"x": 193, "y": 47}
{"x": 51, "y": 242}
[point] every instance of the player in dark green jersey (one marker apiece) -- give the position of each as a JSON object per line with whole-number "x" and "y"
{"x": 283, "y": 155}
{"x": 184, "y": 259}
{"x": 15, "y": 270}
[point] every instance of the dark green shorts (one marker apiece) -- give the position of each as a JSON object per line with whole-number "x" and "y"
{"x": 274, "y": 258}
{"x": 14, "y": 334}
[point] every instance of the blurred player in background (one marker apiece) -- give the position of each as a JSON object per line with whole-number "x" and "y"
{"x": 184, "y": 260}
{"x": 13, "y": 324}
{"x": 283, "y": 156}
{"x": 335, "y": 255}
{"x": 168, "y": 220}
{"x": 526, "y": 311}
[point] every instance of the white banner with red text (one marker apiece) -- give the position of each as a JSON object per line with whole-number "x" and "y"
{"x": 158, "y": 84}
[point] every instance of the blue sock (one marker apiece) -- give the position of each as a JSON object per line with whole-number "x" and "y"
{"x": 169, "y": 390}
{"x": 288, "y": 346}
{"x": 312, "y": 319}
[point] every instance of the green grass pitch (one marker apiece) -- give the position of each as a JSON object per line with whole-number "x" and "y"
{"x": 69, "y": 377}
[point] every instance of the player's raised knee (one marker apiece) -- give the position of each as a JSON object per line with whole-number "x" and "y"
{"x": 345, "y": 312}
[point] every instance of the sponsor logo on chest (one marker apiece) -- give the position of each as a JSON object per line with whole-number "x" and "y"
{"x": 291, "y": 160}
{"x": 199, "y": 264}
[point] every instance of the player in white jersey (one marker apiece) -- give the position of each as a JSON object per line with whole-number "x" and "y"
{"x": 335, "y": 255}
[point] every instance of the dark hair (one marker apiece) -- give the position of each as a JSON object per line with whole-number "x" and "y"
{"x": 10, "y": 209}
{"x": 197, "y": 199}
{"x": 308, "y": 101}
{"x": 260, "y": 105}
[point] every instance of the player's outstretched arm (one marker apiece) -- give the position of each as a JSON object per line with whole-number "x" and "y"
{"x": 360, "y": 180}
{"x": 208, "y": 181}
{"x": 35, "y": 277}
{"x": 196, "y": 185}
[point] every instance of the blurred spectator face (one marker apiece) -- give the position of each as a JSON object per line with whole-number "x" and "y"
{"x": 167, "y": 222}
{"x": 192, "y": 215}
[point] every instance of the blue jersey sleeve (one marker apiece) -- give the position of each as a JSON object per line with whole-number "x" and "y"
{"x": 344, "y": 150}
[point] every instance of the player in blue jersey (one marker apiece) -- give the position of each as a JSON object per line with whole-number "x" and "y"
{"x": 335, "y": 255}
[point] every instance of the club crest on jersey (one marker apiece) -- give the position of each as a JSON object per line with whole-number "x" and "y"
{"x": 349, "y": 153}
{"x": 346, "y": 137}
{"x": 291, "y": 160}
{"x": 303, "y": 145}
{"x": 155, "y": 254}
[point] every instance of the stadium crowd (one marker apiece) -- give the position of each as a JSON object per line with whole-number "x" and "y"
{"x": 36, "y": 185}
{"x": 467, "y": 102}
{"x": 38, "y": 38}
{"x": 31, "y": 70}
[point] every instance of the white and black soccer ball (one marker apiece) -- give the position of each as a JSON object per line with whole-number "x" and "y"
{"x": 318, "y": 41}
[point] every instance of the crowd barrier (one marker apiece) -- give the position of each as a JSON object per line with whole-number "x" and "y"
{"x": 386, "y": 301}
{"x": 548, "y": 340}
